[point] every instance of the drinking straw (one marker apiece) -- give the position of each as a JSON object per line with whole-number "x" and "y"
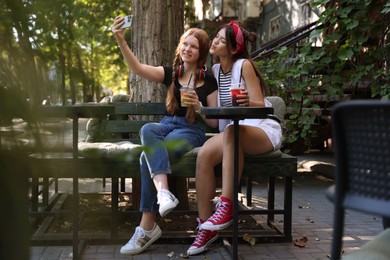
{"x": 189, "y": 80}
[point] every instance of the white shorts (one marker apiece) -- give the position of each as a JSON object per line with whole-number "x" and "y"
{"x": 272, "y": 129}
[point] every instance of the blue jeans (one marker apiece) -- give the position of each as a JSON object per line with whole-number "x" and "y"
{"x": 171, "y": 138}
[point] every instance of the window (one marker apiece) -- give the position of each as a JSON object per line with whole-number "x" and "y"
{"x": 274, "y": 28}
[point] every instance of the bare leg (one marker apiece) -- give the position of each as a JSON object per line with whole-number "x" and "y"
{"x": 209, "y": 155}
{"x": 252, "y": 140}
{"x": 147, "y": 220}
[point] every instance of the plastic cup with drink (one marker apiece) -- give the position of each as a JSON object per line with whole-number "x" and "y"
{"x": 235, "y": 90}
{"x": 184, "y": 91}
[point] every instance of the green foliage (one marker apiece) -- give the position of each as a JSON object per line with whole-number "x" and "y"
{"x": 353, "y": 60}
{"x": 189, "y": 13}
{"x": 71, "y": 40}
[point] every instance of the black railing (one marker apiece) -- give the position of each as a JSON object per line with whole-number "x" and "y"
{"x": 288, "y": 39}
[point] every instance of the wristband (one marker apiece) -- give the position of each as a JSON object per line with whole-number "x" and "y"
{"x": 200, "y": 108}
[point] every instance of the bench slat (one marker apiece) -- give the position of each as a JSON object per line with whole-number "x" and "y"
{"x": 123, "y": 126}
{"x": 140, "y": 108}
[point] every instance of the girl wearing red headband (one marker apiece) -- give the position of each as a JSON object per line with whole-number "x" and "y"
{"x": 256, "y": 136}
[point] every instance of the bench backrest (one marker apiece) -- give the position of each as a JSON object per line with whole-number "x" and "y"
{"x": 130, "y": 117}
{"x": 279, "y": 107}
{"x": 125, "y": 123}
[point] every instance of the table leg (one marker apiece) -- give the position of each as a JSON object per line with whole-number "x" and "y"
{"x": 75, "y": 202}
{"x": 235, "y": 190}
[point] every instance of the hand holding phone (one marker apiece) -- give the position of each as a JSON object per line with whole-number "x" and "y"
{"x": 128, "y": 21}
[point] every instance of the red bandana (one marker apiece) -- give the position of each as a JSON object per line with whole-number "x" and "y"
{"x": 239, "y": 37}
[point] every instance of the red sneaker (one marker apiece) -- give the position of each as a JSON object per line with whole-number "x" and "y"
{"x": 222, "y": 217}
{"x": 203, "y": 239}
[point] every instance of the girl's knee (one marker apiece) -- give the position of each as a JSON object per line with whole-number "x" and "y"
{"x": 228, "y": 134}
{"x": 229, "y": 131}
{"x": 146, "y": 128}
{"x": 203, "y": 153}
{"x": 148, "y": 131}
{"x": 206, "y": 157}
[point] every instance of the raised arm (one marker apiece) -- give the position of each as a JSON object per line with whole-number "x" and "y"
{"x": 153, "y": 73}
{"x": 256, "y": 97}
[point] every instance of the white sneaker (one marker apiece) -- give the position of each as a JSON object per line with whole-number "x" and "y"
{"x": 167, "y": 202}
{"x": 141, "y": 240}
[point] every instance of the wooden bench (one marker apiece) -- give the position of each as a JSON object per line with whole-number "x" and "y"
{"x": 97, "y": 163}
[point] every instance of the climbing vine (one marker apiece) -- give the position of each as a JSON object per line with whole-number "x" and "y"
{"x": 351, "y": 62}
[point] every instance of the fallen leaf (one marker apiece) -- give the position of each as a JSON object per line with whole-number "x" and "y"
{"x": 301, "y": 242}
{"x": 248, "y": 238}
{"x": 171, "y": 254}
{"x": 66, "y": 224}
{"x": 309, "y": 219}
{"x": 183, "y": 255}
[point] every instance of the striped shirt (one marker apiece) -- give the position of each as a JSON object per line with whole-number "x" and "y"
{"x": 225, "y": 81}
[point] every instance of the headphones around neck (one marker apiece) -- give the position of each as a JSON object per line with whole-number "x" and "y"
{"x": 200, "y": 73}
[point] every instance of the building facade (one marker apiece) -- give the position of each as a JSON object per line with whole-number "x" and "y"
{"x": 269, "y": 18}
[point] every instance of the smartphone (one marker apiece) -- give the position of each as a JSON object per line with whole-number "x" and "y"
{"x": 128, "y": 21}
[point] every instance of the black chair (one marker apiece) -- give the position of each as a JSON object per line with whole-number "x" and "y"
{"x": 361, "y": 137}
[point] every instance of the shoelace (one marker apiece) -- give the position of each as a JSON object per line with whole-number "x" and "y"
{"x": 201, "y": 236}
{"x": 139, "y": 233}
{"x": 222, "y": 208}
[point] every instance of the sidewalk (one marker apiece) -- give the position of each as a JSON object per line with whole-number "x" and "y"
{"x": 312, "y": 217}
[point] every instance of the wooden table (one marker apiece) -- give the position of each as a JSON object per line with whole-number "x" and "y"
{"x": 236, "y": 114}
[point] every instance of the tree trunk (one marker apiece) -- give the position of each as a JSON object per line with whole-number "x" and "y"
{"x": 156, "y": 30}
{"x": 157, "y": 27}
{"x": 72, "y": 85}
{"x": 29, "y": 77}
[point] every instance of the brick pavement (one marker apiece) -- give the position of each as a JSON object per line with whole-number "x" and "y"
{"x": 312, "y": 217}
